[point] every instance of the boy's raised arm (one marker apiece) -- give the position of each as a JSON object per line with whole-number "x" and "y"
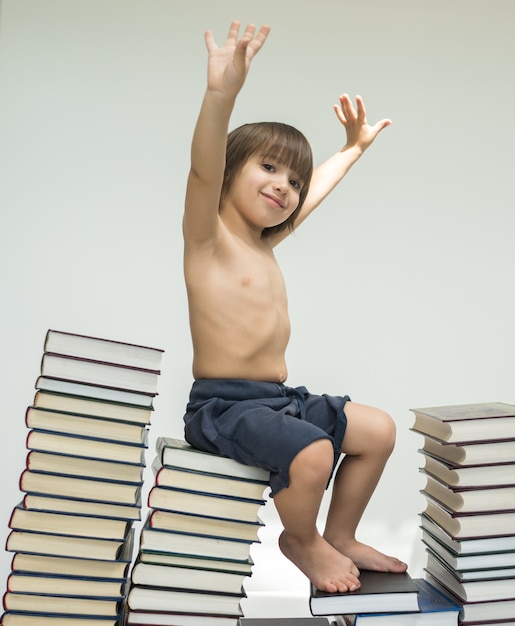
{"x": 228, "y": 66}
{"x": 360, "y": 135}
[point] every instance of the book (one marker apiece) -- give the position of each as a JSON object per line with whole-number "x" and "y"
{"x": 199, "y": 545}
{"x": 469, "y": 500}
{"x": 31, "y": 619}
{"x": 493, "y": 475}
{"x": 201, "y": 525}
{"x": 479, "y": 613}
{"x": 467, "y": 422}
{"x": 83, "y": 390}
{"x": 87, "y": 447}
{"x": 68, "y": 524}
{"x": 285, "y": 621}
{"x": 71, "y": 567}
{"x": 92, "y": 407}
{"x": 436, "y": 609}
{"x": 67, "y": 605}
{"x": 464, "y": 545}
{"x": 101, "y": 373}
{"x": 169, "y": 618}
{"x": 120, "y": 352}
{"x": 73, "y": 487}
{"x": 471, "y": 591}
{"x": 458, "y": 524}
{"x": 151, "y": 599}
{"x": 169, "y": 499}
{"x": 64, "y": 586}
{"x": 63, "y": 545}
{"x": 380, "y": 592}
{"x": 479, "y": 453}
{"x": 111, "y": 430}
{"x": 178, "y": 453}
{"x": 193, "y": 480}
{"x": 476, "y": 574}
{"x": 87, "y": 468}
{"x": 82, "y": 507}
{"x": 466, "y": 562}
{"x": 169, "y": 576}
{"x": 186, "y": 560}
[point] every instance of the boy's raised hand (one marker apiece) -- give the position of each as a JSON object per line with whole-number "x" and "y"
{"x": 359, "y": 132}
{"x": 229, "y": 64}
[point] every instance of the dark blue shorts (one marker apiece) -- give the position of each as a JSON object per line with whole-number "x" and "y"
{"x": 262, "y": 424}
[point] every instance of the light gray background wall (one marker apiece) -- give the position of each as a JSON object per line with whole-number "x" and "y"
{"x": 400, "y": 287}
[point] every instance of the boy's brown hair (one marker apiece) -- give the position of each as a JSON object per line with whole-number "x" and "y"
{"x": 279, "y": 142}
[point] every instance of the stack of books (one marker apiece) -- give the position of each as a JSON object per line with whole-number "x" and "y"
{"x": 468, "y": 525}
{"x": 72, "y": 533}
{"x": 194, "y": 551}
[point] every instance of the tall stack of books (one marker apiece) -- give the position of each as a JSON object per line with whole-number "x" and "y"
{"x": 72, "y": 533}
{"x": 194, "y": 551}
{"x": 468, "y": 526}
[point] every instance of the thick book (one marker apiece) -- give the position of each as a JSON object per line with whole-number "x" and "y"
{"x": 479, "y": 613}
{"x": 483, "y": 590}
{"x": 166, "y": 576}
{"x": 467, "y": 525}
{"x": 85, "y": 468}
{"x": 178, "y": 453}
{"x": 151, "y": 599}
{"x": 196, "y": 562}
{"x": 170, "y": 618}
{"x": 465, "y": 545}
{"x": 169, "y": 499}
{"x": 203, "y": 482}
{"x": 202, "y": 525}
{"x": 73, "y": 487}
{"x": 81, "y": 425}
{"x": 82, "y": 507}
{"x": 466, "y": 562}
{"x": 436, "y": 609}
{"x": 39, "y": 619}
{"x": 18, "y": 582}
{"x": 481, "y": 453}
{"x": 72, "y": 567}
{"x": 470, "y": 500}
{"x": 68, "y": 524}
{"x": 198, "y": 545}
{"x": 467, "y": 422}
{"x": 92, "y": 407}
{"x": 97, "y": 392}
{"x": 64, "y": 545}
{"x": 380, "y": 592}
{"x": 101, "y": 349}
{"x": 475, "y": 574}
{"x": 101, "y": 373}
{"x": 493, "y": 475}
{"x": 64, "y": 605}
{"x": 86, "y": 447}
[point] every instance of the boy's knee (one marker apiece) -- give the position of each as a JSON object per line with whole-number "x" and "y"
{"x": 315, "y": 461}
{"x": 384, "y": 431}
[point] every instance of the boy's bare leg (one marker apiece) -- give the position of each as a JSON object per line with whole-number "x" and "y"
{"x": 298, "y": 506}
{"x": 368, "y": 442}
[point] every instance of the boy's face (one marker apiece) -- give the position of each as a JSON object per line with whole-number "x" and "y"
{"x": 265, "y": 192}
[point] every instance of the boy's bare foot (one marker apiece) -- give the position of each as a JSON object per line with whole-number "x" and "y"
{"x": 327, "y": 568}
{"x": 366, "y": 557}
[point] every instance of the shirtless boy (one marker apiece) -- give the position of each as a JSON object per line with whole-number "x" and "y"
{"x": 243, "y": 194}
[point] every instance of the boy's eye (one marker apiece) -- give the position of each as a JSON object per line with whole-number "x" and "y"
{"x": 268, "y": 167}
{"x": 295, "y": 184}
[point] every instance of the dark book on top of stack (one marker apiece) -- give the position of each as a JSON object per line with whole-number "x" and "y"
{"x": 468, "y": 525}
{"x": 72, "y": 533}
{"x": 194, "y": 551}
